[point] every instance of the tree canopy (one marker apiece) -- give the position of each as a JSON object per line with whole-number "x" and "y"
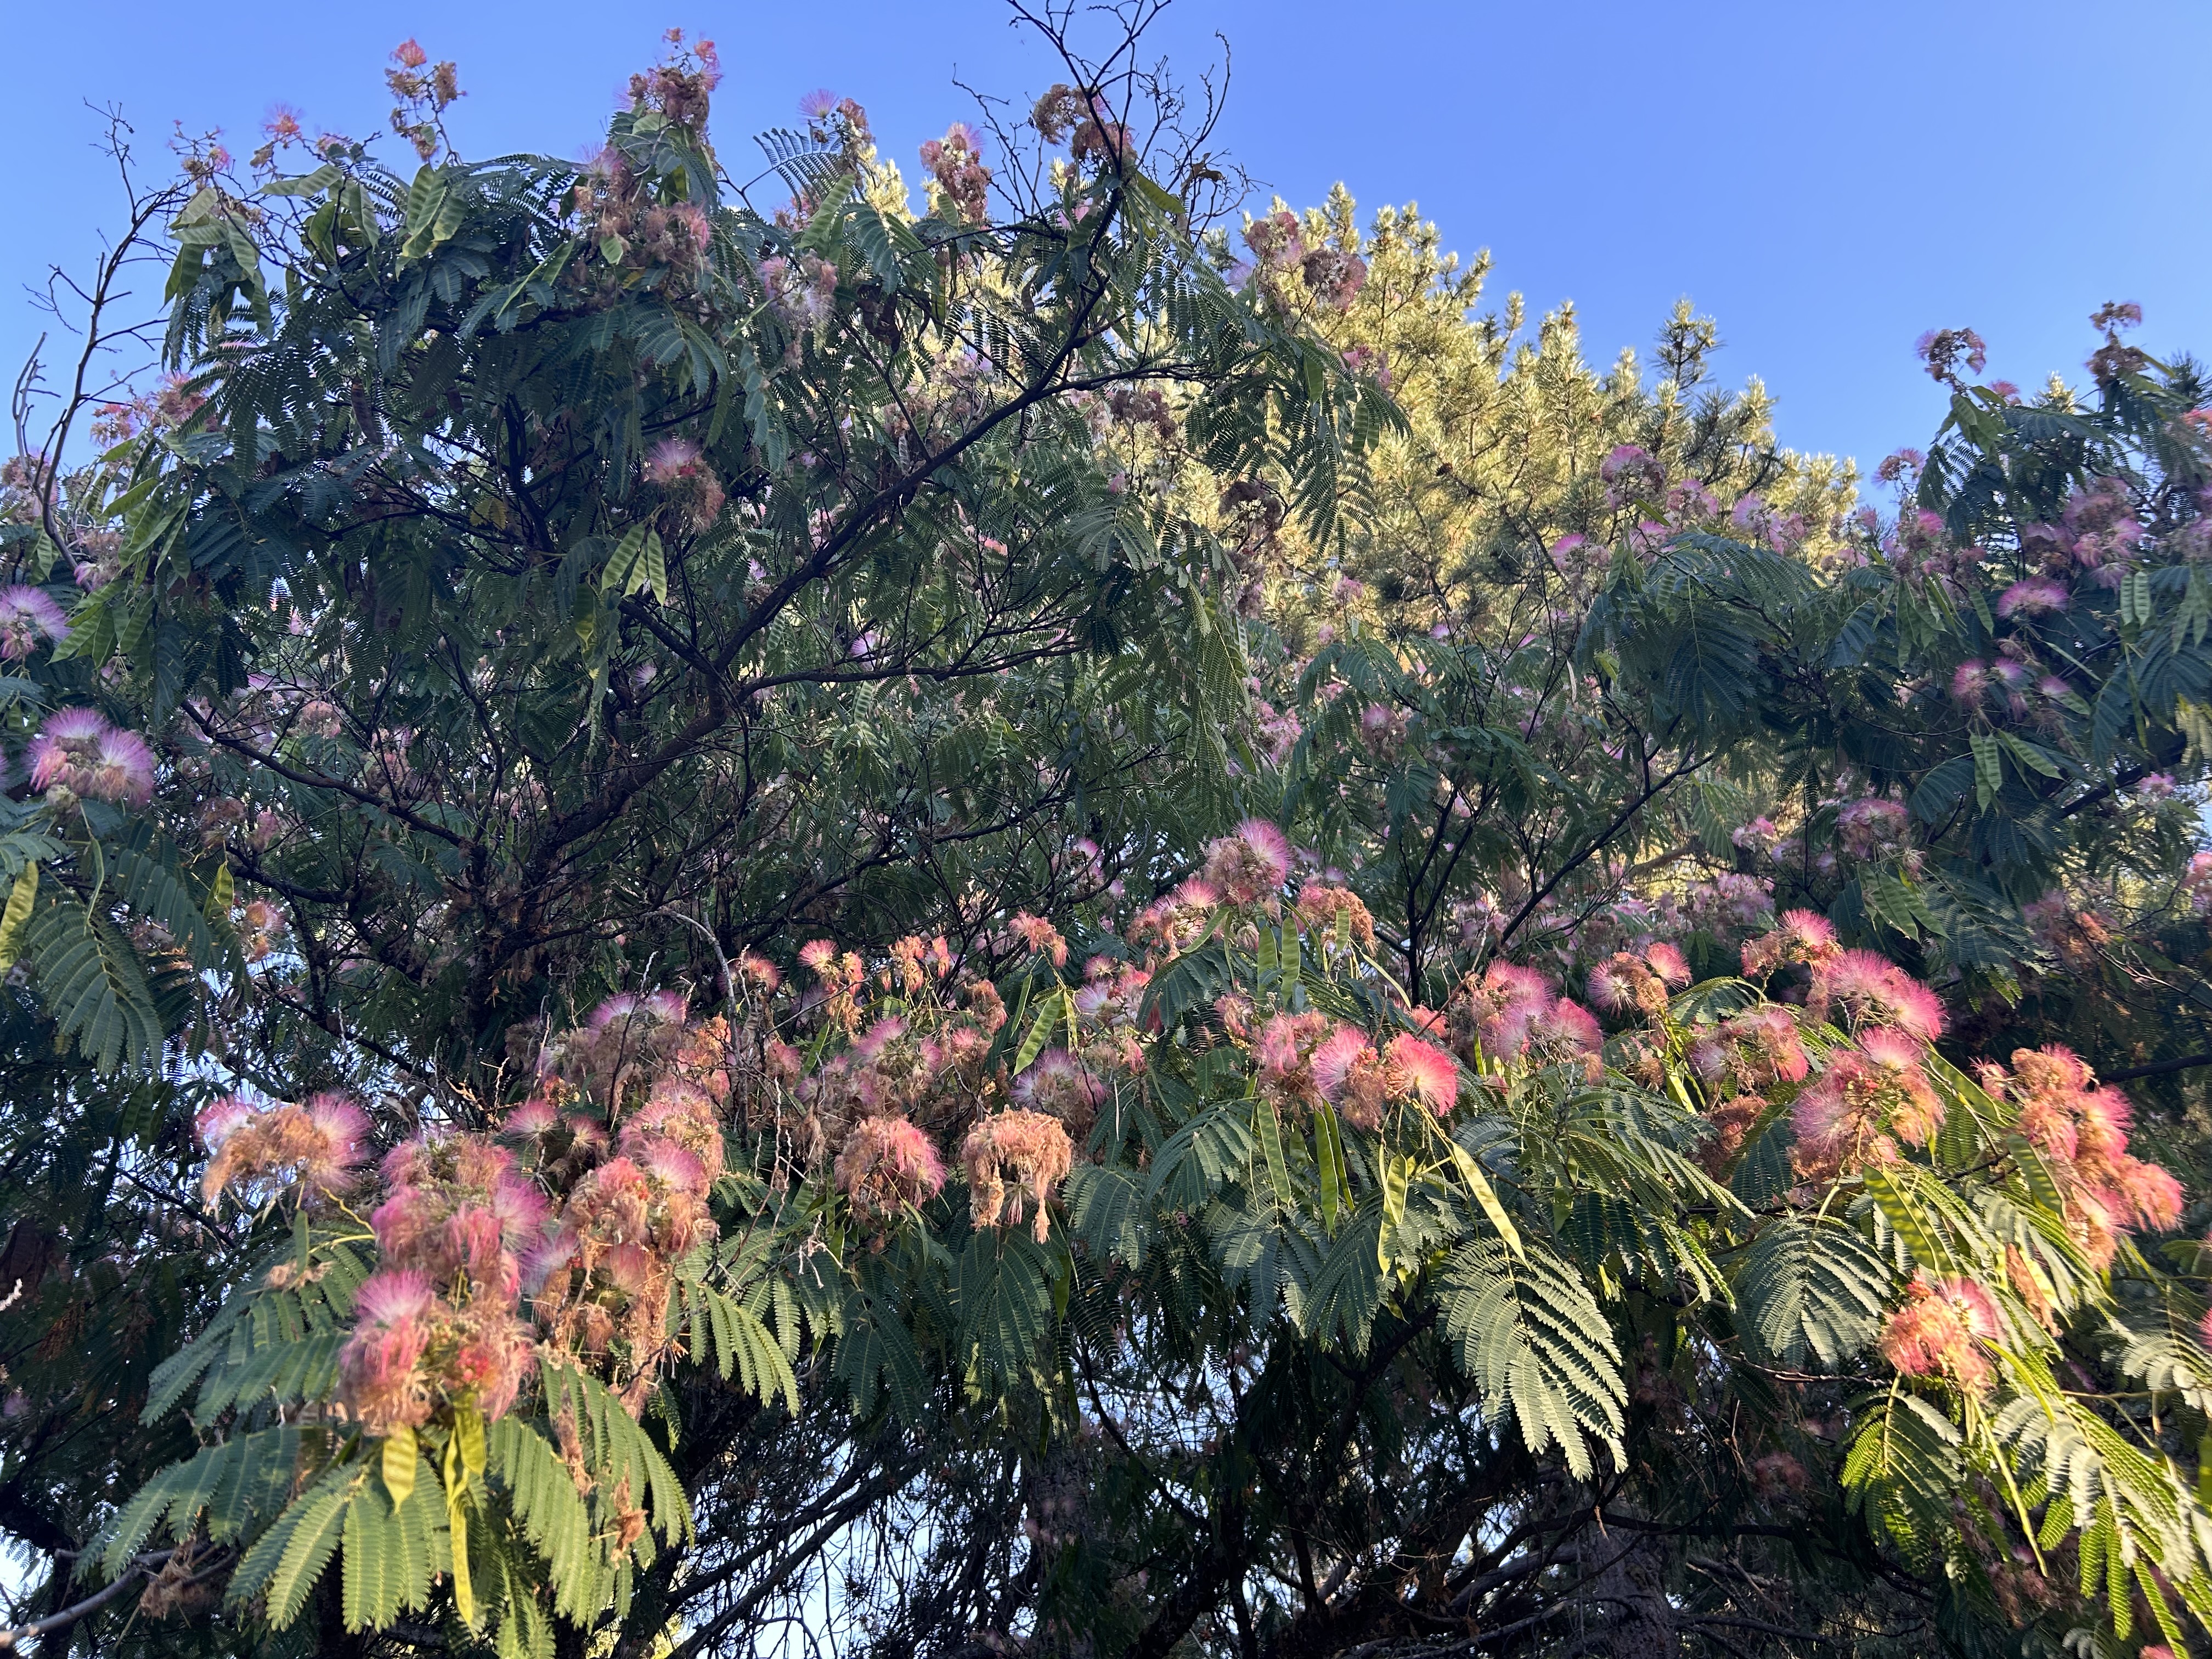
{"x": 745, "y": 918}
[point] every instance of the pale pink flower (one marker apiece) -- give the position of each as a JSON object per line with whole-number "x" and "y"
{"x": 2035, "y": 597}
{"x": 1427, "y": 1072}
{"x": 27, "y": 614}
{"x": 888, "y": 1165}
{"x": 1015, "y": 1160}
{"x": 1250, "y": 866}
{"x": 1668, "y": 963}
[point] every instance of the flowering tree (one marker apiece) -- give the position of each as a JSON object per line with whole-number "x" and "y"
{"x": 909, "y": 919}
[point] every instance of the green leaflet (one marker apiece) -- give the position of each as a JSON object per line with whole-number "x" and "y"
{"x": 1813, "y": 1291}
{"x": 391, "y": 1549}
{"x": 1531, "y": 1334}
{"x": 397, "y": 1463}
{"x": 638, "y": 564}
{"x": 1901, "y": 1470}
{"x": 1267, "y": 1127}
{"x": 92, "y": 983}
{"x": 730, "y": 1331}
{"x": 17, "y": 916}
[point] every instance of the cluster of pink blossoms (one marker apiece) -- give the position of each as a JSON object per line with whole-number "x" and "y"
{"x": 956, "y": 164}
{"x": 888, "y": 1166}
{"x": 1332, "y": 276}
{"x": 27, "y": 617}
{"x": 1626, "y": 982}
{"x": 1084, "y": 117}
{"x": 1871, "y": 829}
{"x": 623, "y": 221}
{"x": 317, "y": 1149}
{"x": 438, "y": 1322}
{"x": 682, "y": 473}
{"x": 1510, "y": 1012}
{"x": 802, "y": 293}
{"x": 1940, "y": 1331}
{"x": 2081, "y": 1131}
{"x": 78, "y": 753}
{"x": 563, "y": 1242}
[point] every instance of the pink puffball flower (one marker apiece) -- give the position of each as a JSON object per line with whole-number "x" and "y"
{"x": 1936, "y": 1332}
{"x": 28, "y": 614}
{"x": 1872, "y": 989}
{"x": 1803, "y": 937}
{"x": 1427, "y": 1073}
{"x": 1334, "y": 1059}
{"x": 380, "y": 1367}
{"x": 2038, "y": 596}
{"x": 888, "y": 1165}
{"x": 1352, "y": 1077}
{"x": 1611, "y": 986}
{"x": 2146, "y": 1194}
{"x": 1916, "y": 1110}
{"x": 530, "y": 1119}
{"x": 1499, "y": 1009}
{"x": 122, "y": 770}
{"x": 1668, "y": 963}
{"x": 77, "y": 749}
{"x": 1250, "y": 866}
{"x": 1567, "y": 1029}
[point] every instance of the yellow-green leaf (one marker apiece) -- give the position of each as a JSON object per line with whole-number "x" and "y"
{"x": 17, "y": 914}
{"x": 1269, "y": 1129}
{"x": 1484, "y": 1194}
{"x": 399, "y": 1459}
{"x": 469, "y": 1436}
{"x": 221, "y": 893}
{"x": 1397, "y": 1177}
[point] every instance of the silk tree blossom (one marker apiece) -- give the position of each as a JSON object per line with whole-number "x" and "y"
{"x": 1759, "y": 837}
{"x": 888, "y": 1166}
{"x": 1496, "y": 1011}
{"x": 675, "y": 466}
{"x": 2037, "y": 596}
{"x": 1177, "y": 921}
{"x": 1250, "y": 866}
{"x": 1284, "y": 1051}
{"x": 1867, "y": 988}
{"x": 29, "y": 616}
{"x": 77, "y": 751}
{"x": 1631, "y": 473}
{"x": 1349, "y": 1072}
{"x": 956, "y": 168}
{"x": 1939, "y": 1331}
{"x": 312, "y": 1152}
{"x": 1335, "y": 276}
{"x": 1943, "y": 349}
{"x": 1804, "y": 937}
{"x": 1326, "y": 910}
{"x": 1625, "y": 982}
{"x": 1042, "y": 938}
{"x": 2081, "y": 1132}
{"x": 1421, "y": 1071}
{"x": 802, "y": 293}
{"x": 379, "y": 1370}
{"x": 261, "y": 928}
{"x": 1059, "y": 1083}
{"x": 1871, "y": 829}
{"x": 1015, "y": 1161}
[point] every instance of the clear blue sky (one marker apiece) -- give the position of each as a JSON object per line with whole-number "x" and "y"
{"x": 1827, "y": 181}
